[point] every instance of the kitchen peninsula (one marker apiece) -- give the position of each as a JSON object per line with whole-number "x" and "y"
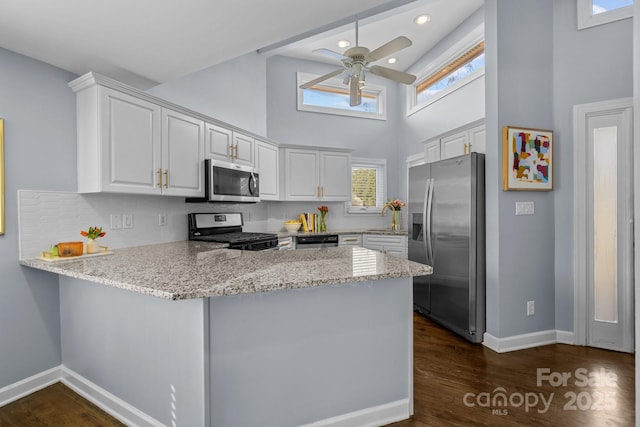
{"x": 194, "y": 334}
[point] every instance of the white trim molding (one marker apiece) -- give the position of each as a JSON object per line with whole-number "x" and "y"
{"x": 106, "y": 401}
{"x": 581, "y": 114}
{"x": 521, "y": 342}
{"x": 586, "y": 17}
{"x": 25, "y": 387}
{"x": 374, "y": 416}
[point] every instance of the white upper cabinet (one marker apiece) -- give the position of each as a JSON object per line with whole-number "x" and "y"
{"x": 119, "y": 148}
{"x": 182, "y": 170}
{"x": 131, "y": 145}
{"x": 314, "y": 175}
{"x": 463, "y": 141}
{"x": 268, "y": 164}
{"x": 225, "y": 144}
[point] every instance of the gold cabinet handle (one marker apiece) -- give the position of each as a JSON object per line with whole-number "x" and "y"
{"x": 322, "y": 191}
{"x": 166, "y": 178}
{"x": 159, "y": 172}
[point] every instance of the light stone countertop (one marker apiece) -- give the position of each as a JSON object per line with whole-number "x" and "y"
{"x": 189, "y": 269}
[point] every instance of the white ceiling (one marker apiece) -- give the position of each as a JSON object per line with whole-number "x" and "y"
{"x": 155, "y": 41}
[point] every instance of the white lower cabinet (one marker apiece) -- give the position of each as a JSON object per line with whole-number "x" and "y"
{"x": 350, "y": 240}
{"x": 388, "y": 244}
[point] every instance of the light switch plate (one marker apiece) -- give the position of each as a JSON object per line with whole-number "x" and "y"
{"x": 524, "y": 208}
{"x": 127, "y": 221}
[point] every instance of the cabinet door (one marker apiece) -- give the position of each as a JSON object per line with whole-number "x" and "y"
{"x": 182, "y": 155}
{"x": 453, "y": 145}
{"x": 389, "y": 244}
{"x": 243, "y": 149}
{"x": 130, "y": 133}
{"x": 432, "y": 151}
{"x": 267, "y": 163}
{"x": 218, "y": 142}
{"x": 477, "y": 138}
{"x": 301, "y": 174}
{"x": 335, "y": 176}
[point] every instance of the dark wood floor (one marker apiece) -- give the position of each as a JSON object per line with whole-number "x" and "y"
{"x": 56, "y": 405}
{"x": 448, "y": 368}
{"x": 456, "y": 384}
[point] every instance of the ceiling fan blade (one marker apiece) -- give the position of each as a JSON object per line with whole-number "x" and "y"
{"x": 355, "y": 95}
{"x": 388, "y": 73}
{"x": 330, "y": 54}
{"x": 327, "y": 76}
{"x": 388, "y": 48}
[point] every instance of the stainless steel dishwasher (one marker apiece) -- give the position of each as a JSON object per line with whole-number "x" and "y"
{"x": 316, "y": 241}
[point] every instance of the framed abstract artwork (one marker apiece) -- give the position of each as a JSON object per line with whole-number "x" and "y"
{"x": 527, "y": 156}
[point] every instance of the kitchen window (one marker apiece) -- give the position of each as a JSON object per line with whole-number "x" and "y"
{"x": 466, "y": 66}
{"x": 332, "y": 97}
{"x": 368, "y": 185}
{"x": 597, "y": 12}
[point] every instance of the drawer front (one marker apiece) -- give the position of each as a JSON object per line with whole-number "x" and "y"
{"x": 350, "y": 240}
{"x": 384, "y": 240}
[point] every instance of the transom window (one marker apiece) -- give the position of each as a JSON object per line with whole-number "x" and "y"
{"x": 597, "y": 12}
{"x": 467, "y": 65}
{"x": 368, "y": 185}
{"x": 332, "y": 97}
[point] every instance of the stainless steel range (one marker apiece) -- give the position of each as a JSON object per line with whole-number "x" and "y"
{"x": 227, "y": 228}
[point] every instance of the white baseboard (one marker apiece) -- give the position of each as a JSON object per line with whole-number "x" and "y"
{"x": 25, "y": 387}
{"x": 106, "y": 401}
{"x": 519, "y": 342}
{"x": 370, "y": 417}
{"x": 565, "y": 337}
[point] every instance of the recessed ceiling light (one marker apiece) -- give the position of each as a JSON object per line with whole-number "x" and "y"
{"x": 391, "y": 60}
{"x": 422, "y": 19}
{"x": 344, "y": 43}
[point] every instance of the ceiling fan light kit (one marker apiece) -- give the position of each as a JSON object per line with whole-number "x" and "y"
{"x": 355, "y": 62}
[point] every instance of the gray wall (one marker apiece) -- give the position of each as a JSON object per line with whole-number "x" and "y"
{"x": 594, "y": 64}
{"x": 572, "y": 67}
{"x": 367, "y": 137}
{"x": 520, "y": 250}
{"x": 234, "y": 92}
{"x": 38, "y": 109}
{"x": 463, "y": 106}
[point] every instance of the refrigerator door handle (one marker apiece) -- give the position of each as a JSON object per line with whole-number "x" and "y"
{"x": 425, "y": 231}
{"x": 427, "y": 220}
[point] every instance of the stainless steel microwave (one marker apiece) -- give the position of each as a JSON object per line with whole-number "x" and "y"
{"x": 229, "y": 182}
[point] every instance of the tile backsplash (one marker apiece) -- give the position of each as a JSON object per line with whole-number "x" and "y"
{"x": 48, "y": 217}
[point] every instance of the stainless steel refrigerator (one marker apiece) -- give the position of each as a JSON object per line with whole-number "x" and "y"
{"x": 446, "y": 231}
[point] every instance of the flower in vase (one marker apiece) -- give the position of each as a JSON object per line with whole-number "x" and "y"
{"x": 323, "y": 209}
{"x": 394, "y": 205}
{"x": 93, "y": 233}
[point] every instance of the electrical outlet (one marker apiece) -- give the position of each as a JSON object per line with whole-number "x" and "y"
{"x": 127, "y": 221}
{"x": 531, "y": 308}
{"x": 116, "y": 221}
{"x": 162, "y": 219}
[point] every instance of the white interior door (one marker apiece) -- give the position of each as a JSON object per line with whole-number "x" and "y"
{"x": 605, "y": 279}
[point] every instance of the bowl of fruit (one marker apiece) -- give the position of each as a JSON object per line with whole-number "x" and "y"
{"x": 292, "y": 225}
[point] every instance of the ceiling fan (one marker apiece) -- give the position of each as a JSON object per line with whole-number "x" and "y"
{"x": 356, "y": 61}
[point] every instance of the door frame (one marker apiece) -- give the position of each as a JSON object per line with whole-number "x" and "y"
{"x": 580, "y": 247}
